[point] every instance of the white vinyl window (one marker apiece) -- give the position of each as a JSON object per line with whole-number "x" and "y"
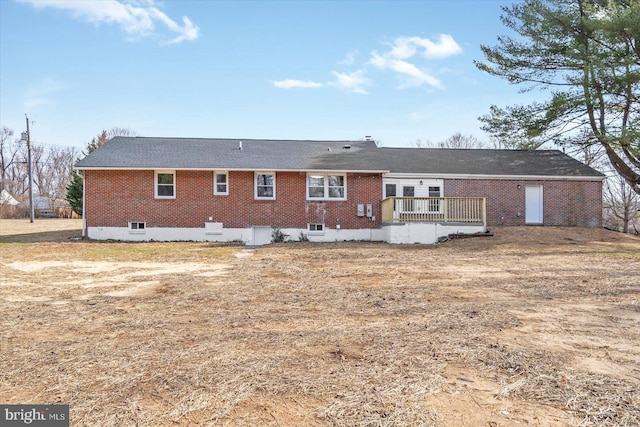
{"x": 137, "y": 227}
{"x": 315, "y": 229}
{"x": 315, "y": 186}
{"x": 165, "y": 184}
{"x": 326, "y": 186}
{"x": 434, "y": 205}
{"x": 390, "y": 190}
{"x": 265, "y": 185}
{"x": 221, "y": 183}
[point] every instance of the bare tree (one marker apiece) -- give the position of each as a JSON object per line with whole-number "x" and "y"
{"x": 38, "y": 168}
{"x": 54, "y": 173}
{"x": 52, "y": 167}
{"x": 105, "y": 135}
{"x": 457, "y": 141}
{"x": 422, "y": 144}
{"x": 621, "y": 204}
{"x": 13, "y": 164}
{"x": 460, "y": 141}
{"x": 9, "y": 149}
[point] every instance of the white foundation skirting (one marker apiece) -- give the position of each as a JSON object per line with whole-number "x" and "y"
{"x": 249, "y": 236}
{"x": 426, "y": 233}
{"x": 399, "y": 233}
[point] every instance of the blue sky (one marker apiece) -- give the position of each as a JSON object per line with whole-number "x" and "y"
{"x": 398, "y": 71}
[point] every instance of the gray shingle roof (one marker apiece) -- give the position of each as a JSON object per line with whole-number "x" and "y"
{"x": 362, "y": 156}
{"x": 444, "y": 161}
{"x": 209, "y": 153}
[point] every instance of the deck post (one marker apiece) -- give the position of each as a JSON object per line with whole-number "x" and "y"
{"x": 484, "y": 211}
{"x": 446, "y": 210}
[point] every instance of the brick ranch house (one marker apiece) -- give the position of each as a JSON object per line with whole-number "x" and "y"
{"x": 138, "y": 188}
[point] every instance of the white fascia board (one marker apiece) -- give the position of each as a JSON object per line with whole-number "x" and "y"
{"x": 499, "y": 177}
{"x": 227, "y": 169}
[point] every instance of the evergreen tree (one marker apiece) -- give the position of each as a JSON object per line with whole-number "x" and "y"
{"x": 586, "y": 54}
{"x": 74, "y": 190}
{"x": 74, "y": 193}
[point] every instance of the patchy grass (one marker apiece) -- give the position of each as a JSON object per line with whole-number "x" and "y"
{"x": 41, "y": 230}
{"x": 535, "y": 326}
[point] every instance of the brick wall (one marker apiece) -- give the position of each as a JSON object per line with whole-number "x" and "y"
{"x": 113, "y": 198}
{"x": 565, "y": 203}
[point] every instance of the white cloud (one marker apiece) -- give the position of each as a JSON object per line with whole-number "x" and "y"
{"x": 396, "y": 59}
{"x": 403, "y": 48}
{"x": 136, "y": 18}
{"x": 290, "y": 84}
{"x": 407, "y": 47}
{"x": 346, "y": 82}
{"x": 351, "y": 82}
{"x": 446, "y": 46}
{"x": 409, "y": 74}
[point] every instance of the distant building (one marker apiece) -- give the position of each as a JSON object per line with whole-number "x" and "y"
{"x": 7, "y": 199}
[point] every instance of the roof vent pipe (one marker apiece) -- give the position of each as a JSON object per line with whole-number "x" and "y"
{"x": 240, "y": 145}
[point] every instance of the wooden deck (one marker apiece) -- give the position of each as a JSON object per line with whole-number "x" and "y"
{"x": 435, "y": 209}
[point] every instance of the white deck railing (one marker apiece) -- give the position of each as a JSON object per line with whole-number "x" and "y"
{"x": 434, "y": 209}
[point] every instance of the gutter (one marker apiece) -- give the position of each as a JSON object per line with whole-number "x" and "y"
{"x": 133, "y": 168}
{"x": 502, "y": 177}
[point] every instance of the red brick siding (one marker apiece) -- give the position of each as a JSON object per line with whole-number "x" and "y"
{"x": 113, "y": 198}
{"x": 565, "y": 203}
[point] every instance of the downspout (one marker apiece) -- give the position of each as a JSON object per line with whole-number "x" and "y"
{"x": 84, "y": 205}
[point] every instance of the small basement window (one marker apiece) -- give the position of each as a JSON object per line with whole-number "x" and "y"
{"x": 137, "y": 227}
{"x": 315, "y": 228}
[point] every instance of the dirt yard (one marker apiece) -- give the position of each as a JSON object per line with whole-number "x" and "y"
{"x": 534, "y": 326}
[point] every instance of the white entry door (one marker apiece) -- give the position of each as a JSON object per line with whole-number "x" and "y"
{"x": 533, "y": 207}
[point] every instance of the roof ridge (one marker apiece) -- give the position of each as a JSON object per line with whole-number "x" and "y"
{"x": 243, "y": 139}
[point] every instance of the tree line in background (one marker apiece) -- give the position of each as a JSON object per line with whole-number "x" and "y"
{"x": 57, "y": 188}
{"x": 51, "y": 168}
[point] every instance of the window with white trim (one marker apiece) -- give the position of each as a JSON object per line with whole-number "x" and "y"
{"x": 221, "y": 183}
{"x": 315, "y": 186}
{"x": 315, "y": 228}
{"x": 390, "y": 190}
{"x": 326, "y": 186}
{"x": 434, "y": 205}
{"x": 265, "y": 185}
{"x": 165, "y": 184}
{"x": 137, "y": 227}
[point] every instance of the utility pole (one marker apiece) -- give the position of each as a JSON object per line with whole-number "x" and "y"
{"x": 26, "y": 136}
